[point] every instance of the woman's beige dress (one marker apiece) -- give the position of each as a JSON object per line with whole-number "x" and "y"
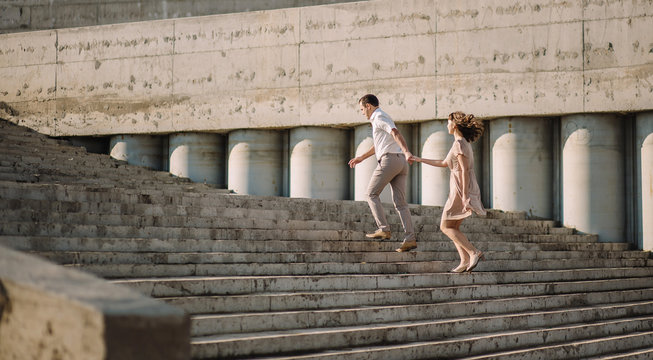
{"x": 455, "y": 207}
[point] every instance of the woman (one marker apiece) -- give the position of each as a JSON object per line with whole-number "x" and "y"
{"x": 464, "y": 193}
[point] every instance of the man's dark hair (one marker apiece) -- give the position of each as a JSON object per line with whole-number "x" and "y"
{"x": 369, "y": 99}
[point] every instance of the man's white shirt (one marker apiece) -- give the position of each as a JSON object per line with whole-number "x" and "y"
{"x": 382, "y": 126}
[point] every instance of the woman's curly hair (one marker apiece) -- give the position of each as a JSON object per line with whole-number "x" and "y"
{"x": 470, "y": 127}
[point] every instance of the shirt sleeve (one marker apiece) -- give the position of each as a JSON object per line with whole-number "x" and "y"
{"x": 384, "y": 124}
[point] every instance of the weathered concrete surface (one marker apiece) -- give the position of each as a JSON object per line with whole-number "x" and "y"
{"x": 48, "y": 312}
{"x": 29, "y": 15}
{"x": 308, "y": 66}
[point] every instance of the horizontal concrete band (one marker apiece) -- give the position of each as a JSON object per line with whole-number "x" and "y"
{"x": 308, "y": 66}
{"x": 82, "y": 316}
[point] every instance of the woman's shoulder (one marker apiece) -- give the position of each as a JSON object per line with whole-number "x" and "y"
{"x": 462, "y": 146}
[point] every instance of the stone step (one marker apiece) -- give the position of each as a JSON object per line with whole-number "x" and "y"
{"x": 15, "y": 147}
{"x": 640, "y": 340}
{"x": 161, "y": 270}
{"x": 69, "y": 164}
{"x": 40, "y": 177}
{"x": 604, "y": 343}
{"x": 200, "y": 196}
{"x": 319, "y": 300}
{"x": 244, "y": 285}
{"x": 584, "y": 349}
{"x": 235, "y": 323}
{"x": 223, "y": 217}
{"x": 235, "y": 220}
{"x": 21, "y": 142}
{"x": 223, "y": 233}
{"x": 117, "y": 213}
{"x": 195, "y": 195}
{"x": 433, "y": 336}
{"x": 152, "y": 245}
{"x": 179, "y": 257}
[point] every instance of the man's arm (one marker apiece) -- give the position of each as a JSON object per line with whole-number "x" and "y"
{"x": 359, "y": 159}
{"x": 402, "y": 144}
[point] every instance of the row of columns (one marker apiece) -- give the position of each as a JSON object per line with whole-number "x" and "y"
{"x": 585, "y": 170}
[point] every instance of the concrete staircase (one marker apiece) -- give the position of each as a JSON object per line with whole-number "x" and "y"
{"x": 296, "y": 279}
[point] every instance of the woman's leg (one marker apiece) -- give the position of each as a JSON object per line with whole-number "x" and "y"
{"x": 451, "y": 228}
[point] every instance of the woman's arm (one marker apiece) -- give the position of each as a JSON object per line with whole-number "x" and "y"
{"x": 438, "y": 163}
{"x": 464, "y": 162}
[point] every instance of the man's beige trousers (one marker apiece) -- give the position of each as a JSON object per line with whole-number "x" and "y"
{"x": 392, "y": 169}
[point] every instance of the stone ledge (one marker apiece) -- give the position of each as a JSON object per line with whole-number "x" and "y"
{"x": 47, "y": 309}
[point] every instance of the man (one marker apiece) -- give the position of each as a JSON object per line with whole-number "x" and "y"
{"x": 392, "y": 155}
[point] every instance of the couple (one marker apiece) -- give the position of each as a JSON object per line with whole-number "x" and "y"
{"x": 393, "y": 159}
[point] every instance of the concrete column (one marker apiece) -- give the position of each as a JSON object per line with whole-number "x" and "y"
{"x": 318, "y": 163}
{"x": 141, "y": 150}
{"x": 522, "y": 165}
{"x": 197, "y": 156}
{"x": 436, "y": 142}
{"x": 593, "y": 185}
{"x": 255, "y": 162}
{"x": 644, "y": 189}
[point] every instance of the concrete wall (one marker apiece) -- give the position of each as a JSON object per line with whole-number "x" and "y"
{"x": 307, "y": 66}
{"x": 29, "y": 15}
{"x": 49, "y": 312}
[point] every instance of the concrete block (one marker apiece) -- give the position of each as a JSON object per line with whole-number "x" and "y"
{"x": 404, "y": 100}
{"x": 51, "y": 310}
{"x": 238, "y": 69}
{"x": 98, "y": 116}
{"x": 486, "y": 95}
{"x": 631, "y": 87}
{"x": 230, "y": 110}
{"x": 13, "y": 17}
{"x": 367, "y": 20}
{"x": 237, "y": 31}
{"x": 550, "y": 47}
{"x": 616, "y": 9}
{"x": 141, "y": 78}
{"x": 122, "y": 41}
{"x": 558, "y": 92}
{"x": 121, "y": 11}
{"x": 618, "y": 43}
{"x": 63, "y": 15}
{"x": 24, "y": 49}
{"x": 366, "y": 60}
{"x": 454, "y": 15}
{"x": 37, "y": 83}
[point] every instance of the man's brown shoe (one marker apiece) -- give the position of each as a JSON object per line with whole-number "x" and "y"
{"x": 407, "y": 246}
{"x": 379, "y": 234}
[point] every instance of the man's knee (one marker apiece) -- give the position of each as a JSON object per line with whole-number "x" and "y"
{"x": 401, "y": 207}
{"x": 372, "y": 196}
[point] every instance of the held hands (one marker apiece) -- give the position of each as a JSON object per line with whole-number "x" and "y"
{"x": 409, "y": 157}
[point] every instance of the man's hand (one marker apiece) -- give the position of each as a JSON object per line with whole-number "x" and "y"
{"x": 354, "y": 161}
{"x": 409, "y": 157}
